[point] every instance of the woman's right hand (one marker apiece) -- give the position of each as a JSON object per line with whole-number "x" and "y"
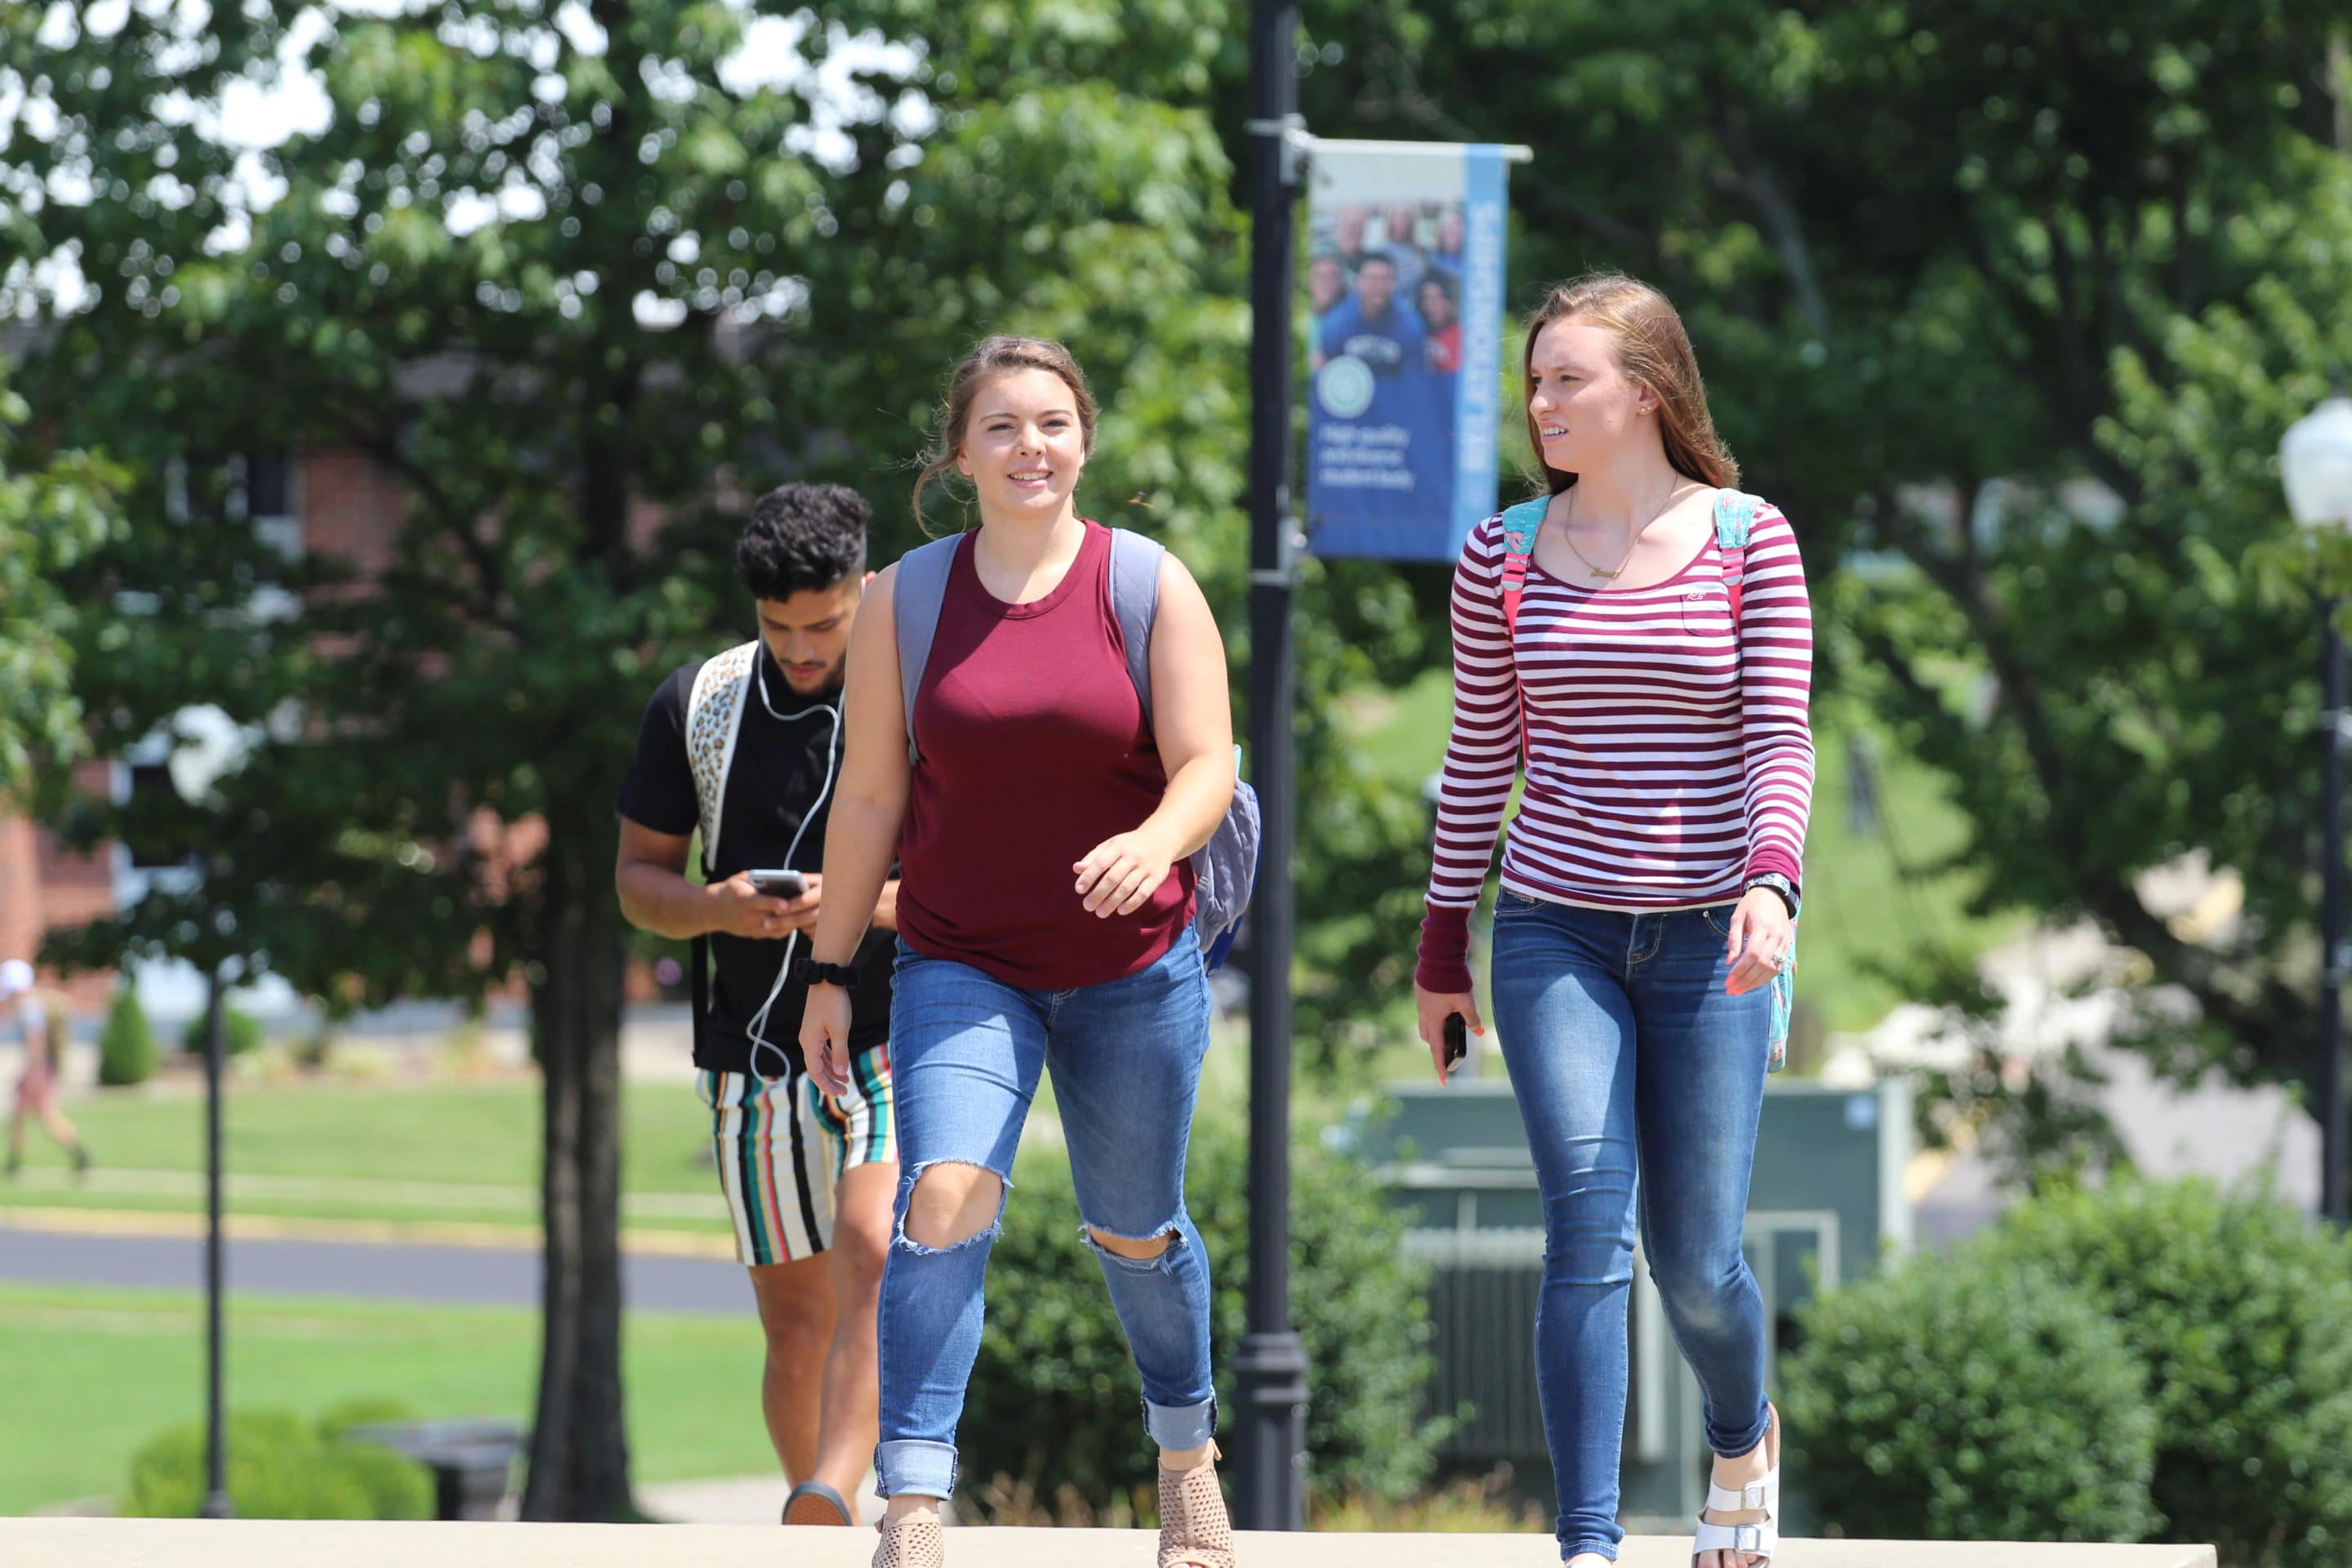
{"x": 1433, "y": 1008}
{"x": 825, "y": 1037}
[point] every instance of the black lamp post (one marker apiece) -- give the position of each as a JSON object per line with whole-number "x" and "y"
{"x": 1271, "y": 1368}
{"x": 2315, "y": 461}
{"x": 216, "y": 1504}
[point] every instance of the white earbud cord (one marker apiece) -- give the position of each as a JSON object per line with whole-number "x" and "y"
{"x": 759, "y": 1024}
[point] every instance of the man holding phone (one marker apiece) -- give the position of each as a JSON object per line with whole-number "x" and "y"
{"x": 744, "y": 749}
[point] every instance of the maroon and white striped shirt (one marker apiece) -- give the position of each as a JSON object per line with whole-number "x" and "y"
{"x": 1670, "y": 759}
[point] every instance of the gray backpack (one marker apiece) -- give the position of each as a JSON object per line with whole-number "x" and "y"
{"x": 1225, "y": 870}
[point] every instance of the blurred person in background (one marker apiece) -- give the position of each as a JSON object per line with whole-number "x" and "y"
{"x": 44, "y": 1021}
{"x": 1347, "y": 225}
{"x": 1451, "y": 233}
{"x": 1375, "y": 325}
{"x": 1327, "y": 285}
{"x": 1656, "y": 686}
{"x": 1401, "y": 242}
{"x": 1439, "y": 314}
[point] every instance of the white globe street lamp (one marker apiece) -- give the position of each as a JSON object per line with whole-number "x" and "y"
{"x": 2316, "y": 462}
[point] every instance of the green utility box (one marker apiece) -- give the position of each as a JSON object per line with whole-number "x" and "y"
{"x": 1827, "y": 1202}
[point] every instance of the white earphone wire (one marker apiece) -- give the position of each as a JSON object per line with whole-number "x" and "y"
{"x": 758, "y": 1027}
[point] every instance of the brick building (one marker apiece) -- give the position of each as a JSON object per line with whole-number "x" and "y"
{"x": 334, "y": 501}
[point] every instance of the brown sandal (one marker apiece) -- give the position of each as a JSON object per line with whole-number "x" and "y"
{"x": 1194, "y": 1531}
{"x": 913, "y": 1541}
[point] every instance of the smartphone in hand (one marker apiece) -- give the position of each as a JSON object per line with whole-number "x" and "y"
{"x": 1457, "y": 1040}
{"x": 779, "y": 884}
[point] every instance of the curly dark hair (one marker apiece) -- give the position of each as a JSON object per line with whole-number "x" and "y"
{"x": 802, "y": 537}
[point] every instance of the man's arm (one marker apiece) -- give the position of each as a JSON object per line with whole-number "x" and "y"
{"x": 656, "y": 896}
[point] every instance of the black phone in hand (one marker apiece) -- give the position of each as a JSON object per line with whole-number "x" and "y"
{"x": 1457, "y": 1040}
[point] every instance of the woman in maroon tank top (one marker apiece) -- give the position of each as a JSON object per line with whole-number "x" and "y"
{"x": 1045, "y": 914}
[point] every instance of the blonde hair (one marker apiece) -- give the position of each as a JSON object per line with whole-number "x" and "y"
{"x": 1654, "y": 350}
{"x": 994, "y": 356}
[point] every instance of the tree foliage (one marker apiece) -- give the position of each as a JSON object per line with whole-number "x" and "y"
{"x": 2009, "y": 305}
{"x": 52, "y": 513}
{"x": 583, "y": 281}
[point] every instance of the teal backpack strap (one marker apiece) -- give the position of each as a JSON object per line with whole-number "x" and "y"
{"x": 917, "y": 593}
{"x": 1521, "y": 525}
{"x": 1734, "y": 517}
{"x": 1735, "y": 514}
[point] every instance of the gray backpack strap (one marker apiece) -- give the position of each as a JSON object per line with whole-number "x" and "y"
{"x": 714, "y": 716}
{"x": 916, "y": 595}
{"x": 1135, "y": 601}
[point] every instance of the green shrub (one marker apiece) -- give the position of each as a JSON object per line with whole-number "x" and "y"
{"x": 240, "y": 1032}
{"x": 277, "y": 1468}
{"x": 1957, "y": 1401}
{"x": 126, "y": 1048}
{"x": 395, "y": 1486}
{"x": 1055, "y": 1404}
{"x": 2241, "y": 1315}
{"x": 365, "y": 1410}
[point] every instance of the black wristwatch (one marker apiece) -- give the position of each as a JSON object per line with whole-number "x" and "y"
{"x": 1779, "y": 884}
{"x": 809, "y": 972}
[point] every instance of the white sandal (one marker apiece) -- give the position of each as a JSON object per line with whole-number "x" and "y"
{"x": 1758, "y": 1540}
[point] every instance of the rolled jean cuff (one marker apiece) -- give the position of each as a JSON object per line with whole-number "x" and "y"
{"x": 915, "y": 1468}
{"x": 1180, "y": 1427}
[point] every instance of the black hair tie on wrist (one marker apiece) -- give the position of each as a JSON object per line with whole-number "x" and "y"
{"x": 809, "y": 972}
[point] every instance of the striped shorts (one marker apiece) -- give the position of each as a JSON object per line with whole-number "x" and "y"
{"x": 782, "y": 1144}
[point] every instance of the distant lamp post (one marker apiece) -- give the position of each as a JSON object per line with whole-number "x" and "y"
{"x": 207, "y": 744}
{"x": 216, "y": 1503}
{"x": 2315, "y": 461}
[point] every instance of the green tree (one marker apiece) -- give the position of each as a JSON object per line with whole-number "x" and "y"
{"x": 55, "y": 508}
{"x": 583, "y": 286}
{"x": 2009, "y": 305}
{"x": 1137, "y": 88}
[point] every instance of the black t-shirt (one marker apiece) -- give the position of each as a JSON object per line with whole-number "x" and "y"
{"x": 780, "y": 769}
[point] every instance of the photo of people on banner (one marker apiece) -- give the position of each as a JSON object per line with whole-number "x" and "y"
{"x": 1404, "y": 244}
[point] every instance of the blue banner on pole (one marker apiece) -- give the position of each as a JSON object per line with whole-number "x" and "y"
{"x": 1405, "y": 246}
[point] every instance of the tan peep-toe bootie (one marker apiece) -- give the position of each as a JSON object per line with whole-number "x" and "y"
{"x": 1194, "y": 1531}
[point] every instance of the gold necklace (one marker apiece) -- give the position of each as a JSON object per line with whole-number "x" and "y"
{"x": 1567, "y": 522}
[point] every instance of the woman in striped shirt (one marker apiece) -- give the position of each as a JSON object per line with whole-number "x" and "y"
{"x": 1655, "y": 685}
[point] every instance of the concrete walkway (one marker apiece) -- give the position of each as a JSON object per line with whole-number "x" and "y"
{"x": 736, "y": 1499}
{"x": 177, "y": 1543}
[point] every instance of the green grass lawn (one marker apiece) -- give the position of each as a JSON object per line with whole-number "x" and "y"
{"x": 374, "y": 1151}
{"x": 89, "y": 1375}
{"x": 407, "y": 1153}
{"x": 1866, "y": 893}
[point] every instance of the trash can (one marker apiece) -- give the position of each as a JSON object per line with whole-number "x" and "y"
{"x": 471, "y": 1460}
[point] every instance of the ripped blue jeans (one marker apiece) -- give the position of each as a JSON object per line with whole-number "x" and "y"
{"x": 966, "y": 1050}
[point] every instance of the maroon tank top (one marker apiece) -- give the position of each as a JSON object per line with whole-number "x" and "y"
{"x": 1033, "y": 751}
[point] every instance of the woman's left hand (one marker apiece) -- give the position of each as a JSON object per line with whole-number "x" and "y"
{"x": 1761, "y": 935}
{"x": 1119, "y": 875}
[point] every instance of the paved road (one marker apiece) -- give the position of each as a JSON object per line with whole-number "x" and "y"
{"x": 490, "y": 1276}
